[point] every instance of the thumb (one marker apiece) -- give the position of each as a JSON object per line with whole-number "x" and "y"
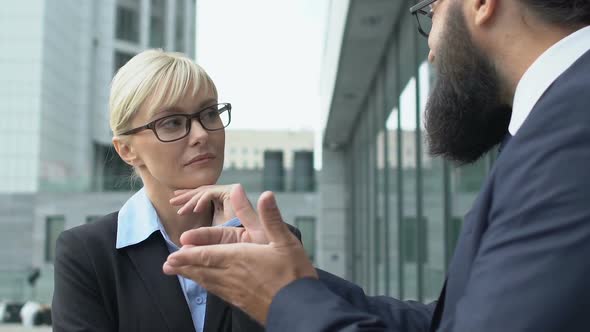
{"x": 271, "y": 219}
{"x": 243, "y": 209}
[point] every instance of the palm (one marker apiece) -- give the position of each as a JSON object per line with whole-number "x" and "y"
{"x": 223, "y": 235}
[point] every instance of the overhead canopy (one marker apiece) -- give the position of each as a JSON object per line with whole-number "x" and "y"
{"x": 369, "y": 26}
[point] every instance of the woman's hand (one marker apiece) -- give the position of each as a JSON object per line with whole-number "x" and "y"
{"x": 198, "y": 200}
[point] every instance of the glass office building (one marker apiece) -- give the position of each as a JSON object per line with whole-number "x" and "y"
{"x": 58, "y": 60}
{"x": 400, "y": 210}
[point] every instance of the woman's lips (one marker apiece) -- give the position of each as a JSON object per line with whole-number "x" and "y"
{"x": 201, "y": 159}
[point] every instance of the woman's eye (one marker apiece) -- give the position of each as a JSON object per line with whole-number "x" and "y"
{"x": 171, "y": 123}
{"x": 209, "y": 115}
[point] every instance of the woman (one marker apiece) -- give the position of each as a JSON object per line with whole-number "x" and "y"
{"x": 169, "y": 126}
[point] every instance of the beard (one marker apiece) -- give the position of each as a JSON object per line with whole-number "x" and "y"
{"x": 465, "y": 116}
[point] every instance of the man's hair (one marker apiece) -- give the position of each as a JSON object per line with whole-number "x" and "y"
{"x": 570, "y": 13}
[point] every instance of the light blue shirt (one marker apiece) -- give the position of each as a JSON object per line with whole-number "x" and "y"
{"x": 137, "y": 220}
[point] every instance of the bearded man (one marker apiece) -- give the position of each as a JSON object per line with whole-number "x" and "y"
{"x": 510, "y": 71}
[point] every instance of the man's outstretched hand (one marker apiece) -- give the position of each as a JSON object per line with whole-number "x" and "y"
{"x": 252, "y": 232}
{"x": 244, "y": 266}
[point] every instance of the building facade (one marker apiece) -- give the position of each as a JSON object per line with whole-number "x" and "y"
{"x": 245, "y": 148}
{"x": 282, "y": 161}
{"x": 57, "y": 64}
{"x": 58, "y": 59}
{"x": 390, "y": 213}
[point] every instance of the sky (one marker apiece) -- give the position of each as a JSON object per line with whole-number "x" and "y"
{"x": 265, "y": 58}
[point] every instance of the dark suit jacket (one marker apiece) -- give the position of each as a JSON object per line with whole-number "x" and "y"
{"x": 521, "y": 263}
{"x": 101, "y": 288}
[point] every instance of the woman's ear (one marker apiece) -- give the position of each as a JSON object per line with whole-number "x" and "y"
{"x": 126, "y": 151}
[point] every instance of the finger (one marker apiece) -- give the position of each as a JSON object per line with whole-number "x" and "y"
{"x": 190, "y": 205}
{"x": 198, "y": 273}
{"x": 203, "y": 202}
{"x": 228, "y": 210}
{"x": 181, "y": 191}
{"x": 243, "y": 209}
{"x": 207, "y": 256}
{"x": 211, "y": 235}
{"x": 271, "y": 219}
{"x": 183, "y": 197}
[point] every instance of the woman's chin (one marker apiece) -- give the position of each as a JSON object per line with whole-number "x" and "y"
{"x": 192, "y": 183}
{"x": 192, "y": 180}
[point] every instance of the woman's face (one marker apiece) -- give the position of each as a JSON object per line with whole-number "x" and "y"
{"x": 190, "y": 162}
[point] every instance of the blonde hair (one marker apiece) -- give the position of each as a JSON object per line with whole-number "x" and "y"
{"x": 164, "y": 77}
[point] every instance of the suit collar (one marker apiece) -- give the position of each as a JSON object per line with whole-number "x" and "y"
{"x": 217, "y": 314}
{"x": 544, "y": 71}
{"x": 164, "y": 290}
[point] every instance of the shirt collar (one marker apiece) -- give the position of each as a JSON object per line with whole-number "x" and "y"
{"x": 138, "y": 219}
{"x": 544, "y": 71}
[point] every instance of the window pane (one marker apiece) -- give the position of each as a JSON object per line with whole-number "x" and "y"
{"x": 306, "y": 226}
{"x": 382, "y": 226}
{"x": 433, "y": 205}
{"x": 157, "y": 23}
{"x": 111, "y": 173}
{"x": 409, "y": 219}
{"x": 121, "y": 59}
{"x": 393, "y": 181}
{"x": 54, "y": 225}
{"x": 179, "y": 27}
{"x": 127, "y": 27}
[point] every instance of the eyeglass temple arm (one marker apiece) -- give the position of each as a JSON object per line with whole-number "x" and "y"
{"x": 136, "y": 130}
{"x": 419, "y": 7}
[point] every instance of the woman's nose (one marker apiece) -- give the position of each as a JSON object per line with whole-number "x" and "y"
{"x": 198, "y": 134}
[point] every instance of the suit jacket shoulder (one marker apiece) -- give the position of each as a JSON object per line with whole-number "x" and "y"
{"x": 524, "y": 243}
{"x": 101, "y": 288}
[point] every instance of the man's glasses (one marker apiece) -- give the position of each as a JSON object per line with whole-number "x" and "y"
{"x": 423, "y": 13}
{"x": 177, "y": 126}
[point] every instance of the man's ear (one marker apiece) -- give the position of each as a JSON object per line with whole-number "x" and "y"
{"x": 482, "y": 11}
{"x": 126, "y": 151}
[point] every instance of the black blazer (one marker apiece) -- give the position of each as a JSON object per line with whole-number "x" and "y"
{"x": 101, "y": 288}
{"x": 521, "y": 263}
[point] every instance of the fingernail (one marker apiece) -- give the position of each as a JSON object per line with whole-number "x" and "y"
{"x": 270, "y": 200}
{"x": 172, "y": 261}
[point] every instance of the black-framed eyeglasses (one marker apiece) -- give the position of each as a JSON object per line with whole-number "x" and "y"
{"x": 423, "y": 13}
{"x": 177, "y": 126}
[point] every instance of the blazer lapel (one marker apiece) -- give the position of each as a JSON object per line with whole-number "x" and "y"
{"x": 165, "y": 291}
{"x": 220, "y": 316}
{"x": 438, "y": 310}
{"x": 217, "y": 315}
